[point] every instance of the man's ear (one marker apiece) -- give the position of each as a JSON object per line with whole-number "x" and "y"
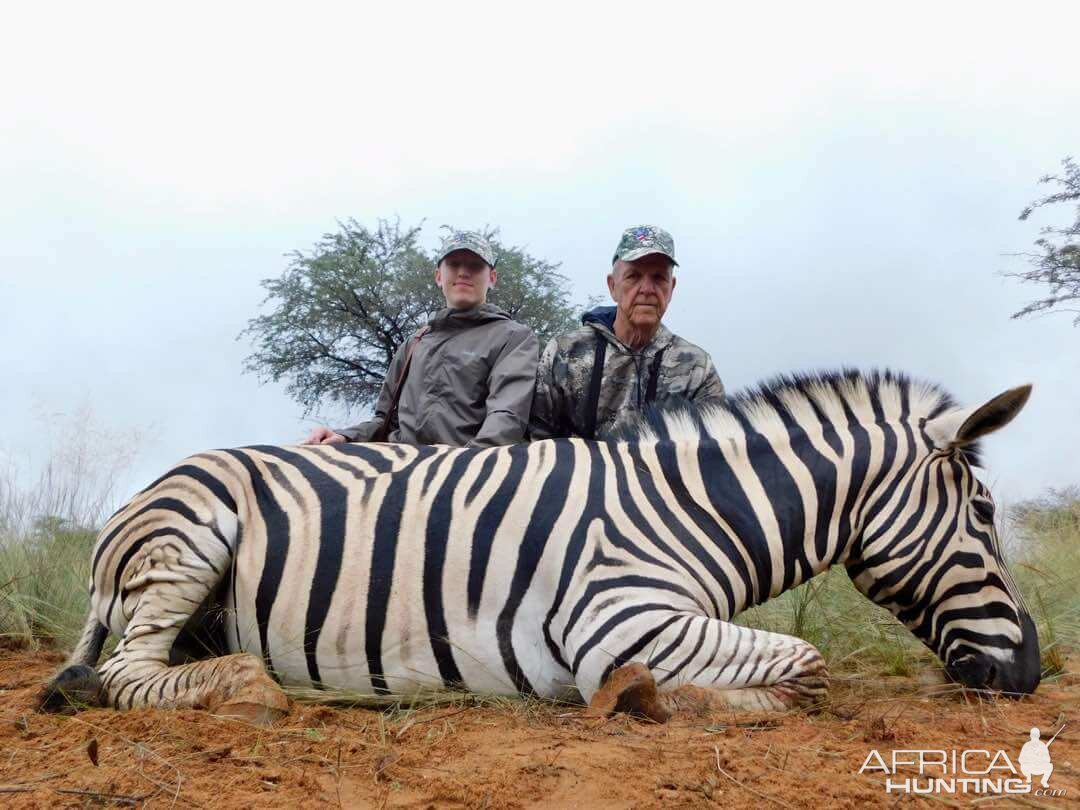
{"x": 438, "y": 275}
{"x": 493, "y": 277}
{"x": 965, "y": 425}
{"x": 611, "y": 285}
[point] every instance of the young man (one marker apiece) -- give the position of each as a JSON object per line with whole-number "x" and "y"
{"x": 595, "y": 379}
{"x": 471, "y": 375}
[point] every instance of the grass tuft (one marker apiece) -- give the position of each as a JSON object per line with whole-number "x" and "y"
{"x": 43, "y": 585}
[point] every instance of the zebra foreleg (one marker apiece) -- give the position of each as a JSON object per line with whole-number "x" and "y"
{"x": 659, "y": 664}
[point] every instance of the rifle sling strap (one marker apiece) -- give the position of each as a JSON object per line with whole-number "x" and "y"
{"x": 383, "y": 433}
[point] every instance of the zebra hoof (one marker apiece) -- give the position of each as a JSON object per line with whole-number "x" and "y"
{"x": 260, "y": 702}
{"x": 72, "y": 689}
{"x": 630, "y": 689}
{"x": 257, "y": 714}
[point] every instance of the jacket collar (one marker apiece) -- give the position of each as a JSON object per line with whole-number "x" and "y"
{"x": 448, "y": 318}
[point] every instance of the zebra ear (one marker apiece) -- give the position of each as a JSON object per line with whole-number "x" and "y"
{"x": 964, "y": 426}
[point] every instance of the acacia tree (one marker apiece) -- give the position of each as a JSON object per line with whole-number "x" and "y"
{"x": 1056, "y": 264}
{"x": 338, "y": 314}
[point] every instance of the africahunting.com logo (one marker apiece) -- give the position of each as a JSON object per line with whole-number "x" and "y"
{"x": 975, "y": 771}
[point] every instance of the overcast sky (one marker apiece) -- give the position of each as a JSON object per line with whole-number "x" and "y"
{"x": 842, "y": 182}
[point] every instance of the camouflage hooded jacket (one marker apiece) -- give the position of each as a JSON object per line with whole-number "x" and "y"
{"x": 561, "y": 405}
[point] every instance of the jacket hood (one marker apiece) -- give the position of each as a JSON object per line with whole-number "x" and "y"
{"x": 602, "y": 319}
{"x": 449, "y": 318}
{"x": 601, "y": 315}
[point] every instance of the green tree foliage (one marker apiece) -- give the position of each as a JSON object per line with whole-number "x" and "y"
{"x": 1056, "y": 264}
{"x": 337, "y": 315}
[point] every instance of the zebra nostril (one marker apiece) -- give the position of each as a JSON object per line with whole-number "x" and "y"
{"x": 991, "y": 675}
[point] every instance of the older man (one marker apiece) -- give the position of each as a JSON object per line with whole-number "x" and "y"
{"x": 595, "y": 379}
{"x": 466, "y": 378}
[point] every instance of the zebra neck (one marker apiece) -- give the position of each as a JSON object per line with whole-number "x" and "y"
{"x": 778, "y": 510}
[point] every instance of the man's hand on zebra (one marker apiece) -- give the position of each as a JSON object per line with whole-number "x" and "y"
{"x": 324, "y": 435}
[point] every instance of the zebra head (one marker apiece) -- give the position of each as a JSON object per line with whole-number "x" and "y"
{"x": 929, "y": 553}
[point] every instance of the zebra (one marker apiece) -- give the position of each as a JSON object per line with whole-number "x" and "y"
{"x": 604, "y": 572}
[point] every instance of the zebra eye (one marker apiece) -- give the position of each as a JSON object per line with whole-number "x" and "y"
{"x": 984, "y": 511}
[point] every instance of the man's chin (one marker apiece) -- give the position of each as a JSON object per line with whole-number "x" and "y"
{"x": 645, "y": 320}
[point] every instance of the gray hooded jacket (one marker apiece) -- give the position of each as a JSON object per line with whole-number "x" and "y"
{"x": 470, "y": 383}
{"x": 561, "y": 405}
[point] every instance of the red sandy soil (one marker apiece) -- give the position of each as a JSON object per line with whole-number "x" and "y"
{"x": 513, "y": 754}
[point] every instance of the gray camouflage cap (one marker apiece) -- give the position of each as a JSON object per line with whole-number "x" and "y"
{"x": 643, "y": 240}
{"x": 467, "y": 240}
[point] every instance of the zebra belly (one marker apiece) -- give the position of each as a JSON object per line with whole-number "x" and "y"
{"x": 409, "y": 661}
{"x": 342, "y": 637}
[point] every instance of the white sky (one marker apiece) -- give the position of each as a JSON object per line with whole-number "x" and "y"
{"x": 842, "y": 181}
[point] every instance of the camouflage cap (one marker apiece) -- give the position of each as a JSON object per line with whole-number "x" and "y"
{"x": 467, "y": 240}
{"x": 643, "y": 240}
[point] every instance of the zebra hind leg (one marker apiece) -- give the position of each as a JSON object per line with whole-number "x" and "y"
{"x": 162, "y": 598}
{"x": 233, "y": 685}
{"x": 139, "y": 672}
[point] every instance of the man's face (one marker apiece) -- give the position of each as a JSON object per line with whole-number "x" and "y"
{"x": 642, "y": 289}
{"x": 465, "y": 279}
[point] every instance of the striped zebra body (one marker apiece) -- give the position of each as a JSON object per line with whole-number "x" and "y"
{"x": 545, "y": 568}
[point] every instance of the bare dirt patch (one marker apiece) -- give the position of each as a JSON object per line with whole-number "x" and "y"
{"x": 517, "y": 754}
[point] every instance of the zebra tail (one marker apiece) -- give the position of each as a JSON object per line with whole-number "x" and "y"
{"x": 78, "y": 685}
{"x": 91, "y": 640}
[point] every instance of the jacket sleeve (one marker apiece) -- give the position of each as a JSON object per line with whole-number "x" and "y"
{"x": 365, "y": 430}
{"x": 510, "y": 392}
{"x": 711, "y": 388}
{"x": 547, "y": 407}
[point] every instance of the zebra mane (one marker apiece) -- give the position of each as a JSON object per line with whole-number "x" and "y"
{"x": 769, "y": 406}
